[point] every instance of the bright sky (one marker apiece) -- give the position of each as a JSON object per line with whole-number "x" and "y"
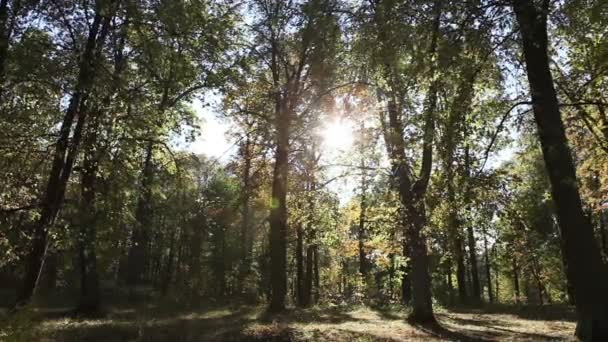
{"x": 213, "y": 141}
{"x": 336, "y": 135}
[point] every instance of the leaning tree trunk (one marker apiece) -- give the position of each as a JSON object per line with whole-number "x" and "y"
{"x": 585, "y": 269}
{"x": 66, "y": 149}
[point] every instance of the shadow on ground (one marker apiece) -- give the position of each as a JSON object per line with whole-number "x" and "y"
{"x": 166, "y": 322}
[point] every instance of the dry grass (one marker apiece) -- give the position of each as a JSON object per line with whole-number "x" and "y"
{"x": 160, "y": 322}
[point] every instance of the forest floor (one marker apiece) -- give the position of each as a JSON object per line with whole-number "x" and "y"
{"x": 162, "y": 322}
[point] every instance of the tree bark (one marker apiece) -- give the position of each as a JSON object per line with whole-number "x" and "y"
{"x": 585, "y": 269}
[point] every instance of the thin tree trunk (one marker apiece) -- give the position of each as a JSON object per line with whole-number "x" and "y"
{"x": 473, "y": 264}
{"x": 515, "y": 270}
{"x": 308, "y": 282}
{"x": 470, "y": 233}
{"x": 299, "y": 265}
{"x": 362, "y": 218}
{"x": 246, "y": 238}
{"x": 585, "y": 269}
{"x": 487, "y": 260}
{"x": 7, "y": 19}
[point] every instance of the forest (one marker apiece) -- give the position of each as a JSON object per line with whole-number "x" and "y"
{"x": 380, "y": 170}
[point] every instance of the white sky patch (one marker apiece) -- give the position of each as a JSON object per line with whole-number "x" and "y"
{"x": 213, "y": 140}
{"x": 337, "y": 135}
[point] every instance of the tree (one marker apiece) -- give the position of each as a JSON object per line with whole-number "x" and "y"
{"x": 585, "y": 269}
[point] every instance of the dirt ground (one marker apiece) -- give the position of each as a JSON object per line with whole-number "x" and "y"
{"x": 156, "y": 322}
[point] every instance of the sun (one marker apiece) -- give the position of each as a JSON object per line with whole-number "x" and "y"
{"x": 337, "y": 135}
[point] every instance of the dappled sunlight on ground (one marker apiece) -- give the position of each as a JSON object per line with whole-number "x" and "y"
{"x": 252, "y": 323}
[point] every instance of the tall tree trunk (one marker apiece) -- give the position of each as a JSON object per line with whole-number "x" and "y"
{"x": 473, "y": 264}
{"x": 411, "y": 193}
{"x": 278, "y": 210}
{"x": 299, "y": 265}
{"x": 246, "y": 238}
{"x": 515, "y": 270}
{"x": 362, "y": 218}
{"x": 90, "y": 296}
{"x": 8, "y": 16}
{"x": 487, "y": 261}
{"x": 472, "y": 243}
{"x": 317, "y": 277}
{"x": 308, "y": 278}
{"x": 497, "y": 283}
{"x": 450, "y": 283}
{"x": 66, "y": 150}
{"x": 168, "y": 274}
{"x": 139, "y": 237}
{"x": 603, "y": 234}
{"x": 406, "y": 279}
{"x": 585, "y": 269}
{"x": 459, "y": 257}
{"x": 411, "y": 197}
{"x": 89, "y": 282}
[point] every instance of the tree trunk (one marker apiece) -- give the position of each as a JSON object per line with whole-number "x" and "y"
{"x": 89, "y": 282}
{"x": 473, "y": 263}
{"x": 497, "y": 284}
{"x": 362, "y": 218}
{"x": 603, "y": 234}
{"x": 585, "y": 269}
{"x": 308, "y": 283}
{"x": 139, "y": 238}
{"x": 406, "y": 280}
{"x": 487, "y": 261}
{"x": 7, "y": 20}
{"x": 515, "y": 270}
{"x": 450, "y": 283}
{"x": 460, "y": 267}
{"x": 64, "y": 156}
{"x": 246, "y": 238}
{"x": 168, "y": 274}
{"x": 299, "y": 265}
